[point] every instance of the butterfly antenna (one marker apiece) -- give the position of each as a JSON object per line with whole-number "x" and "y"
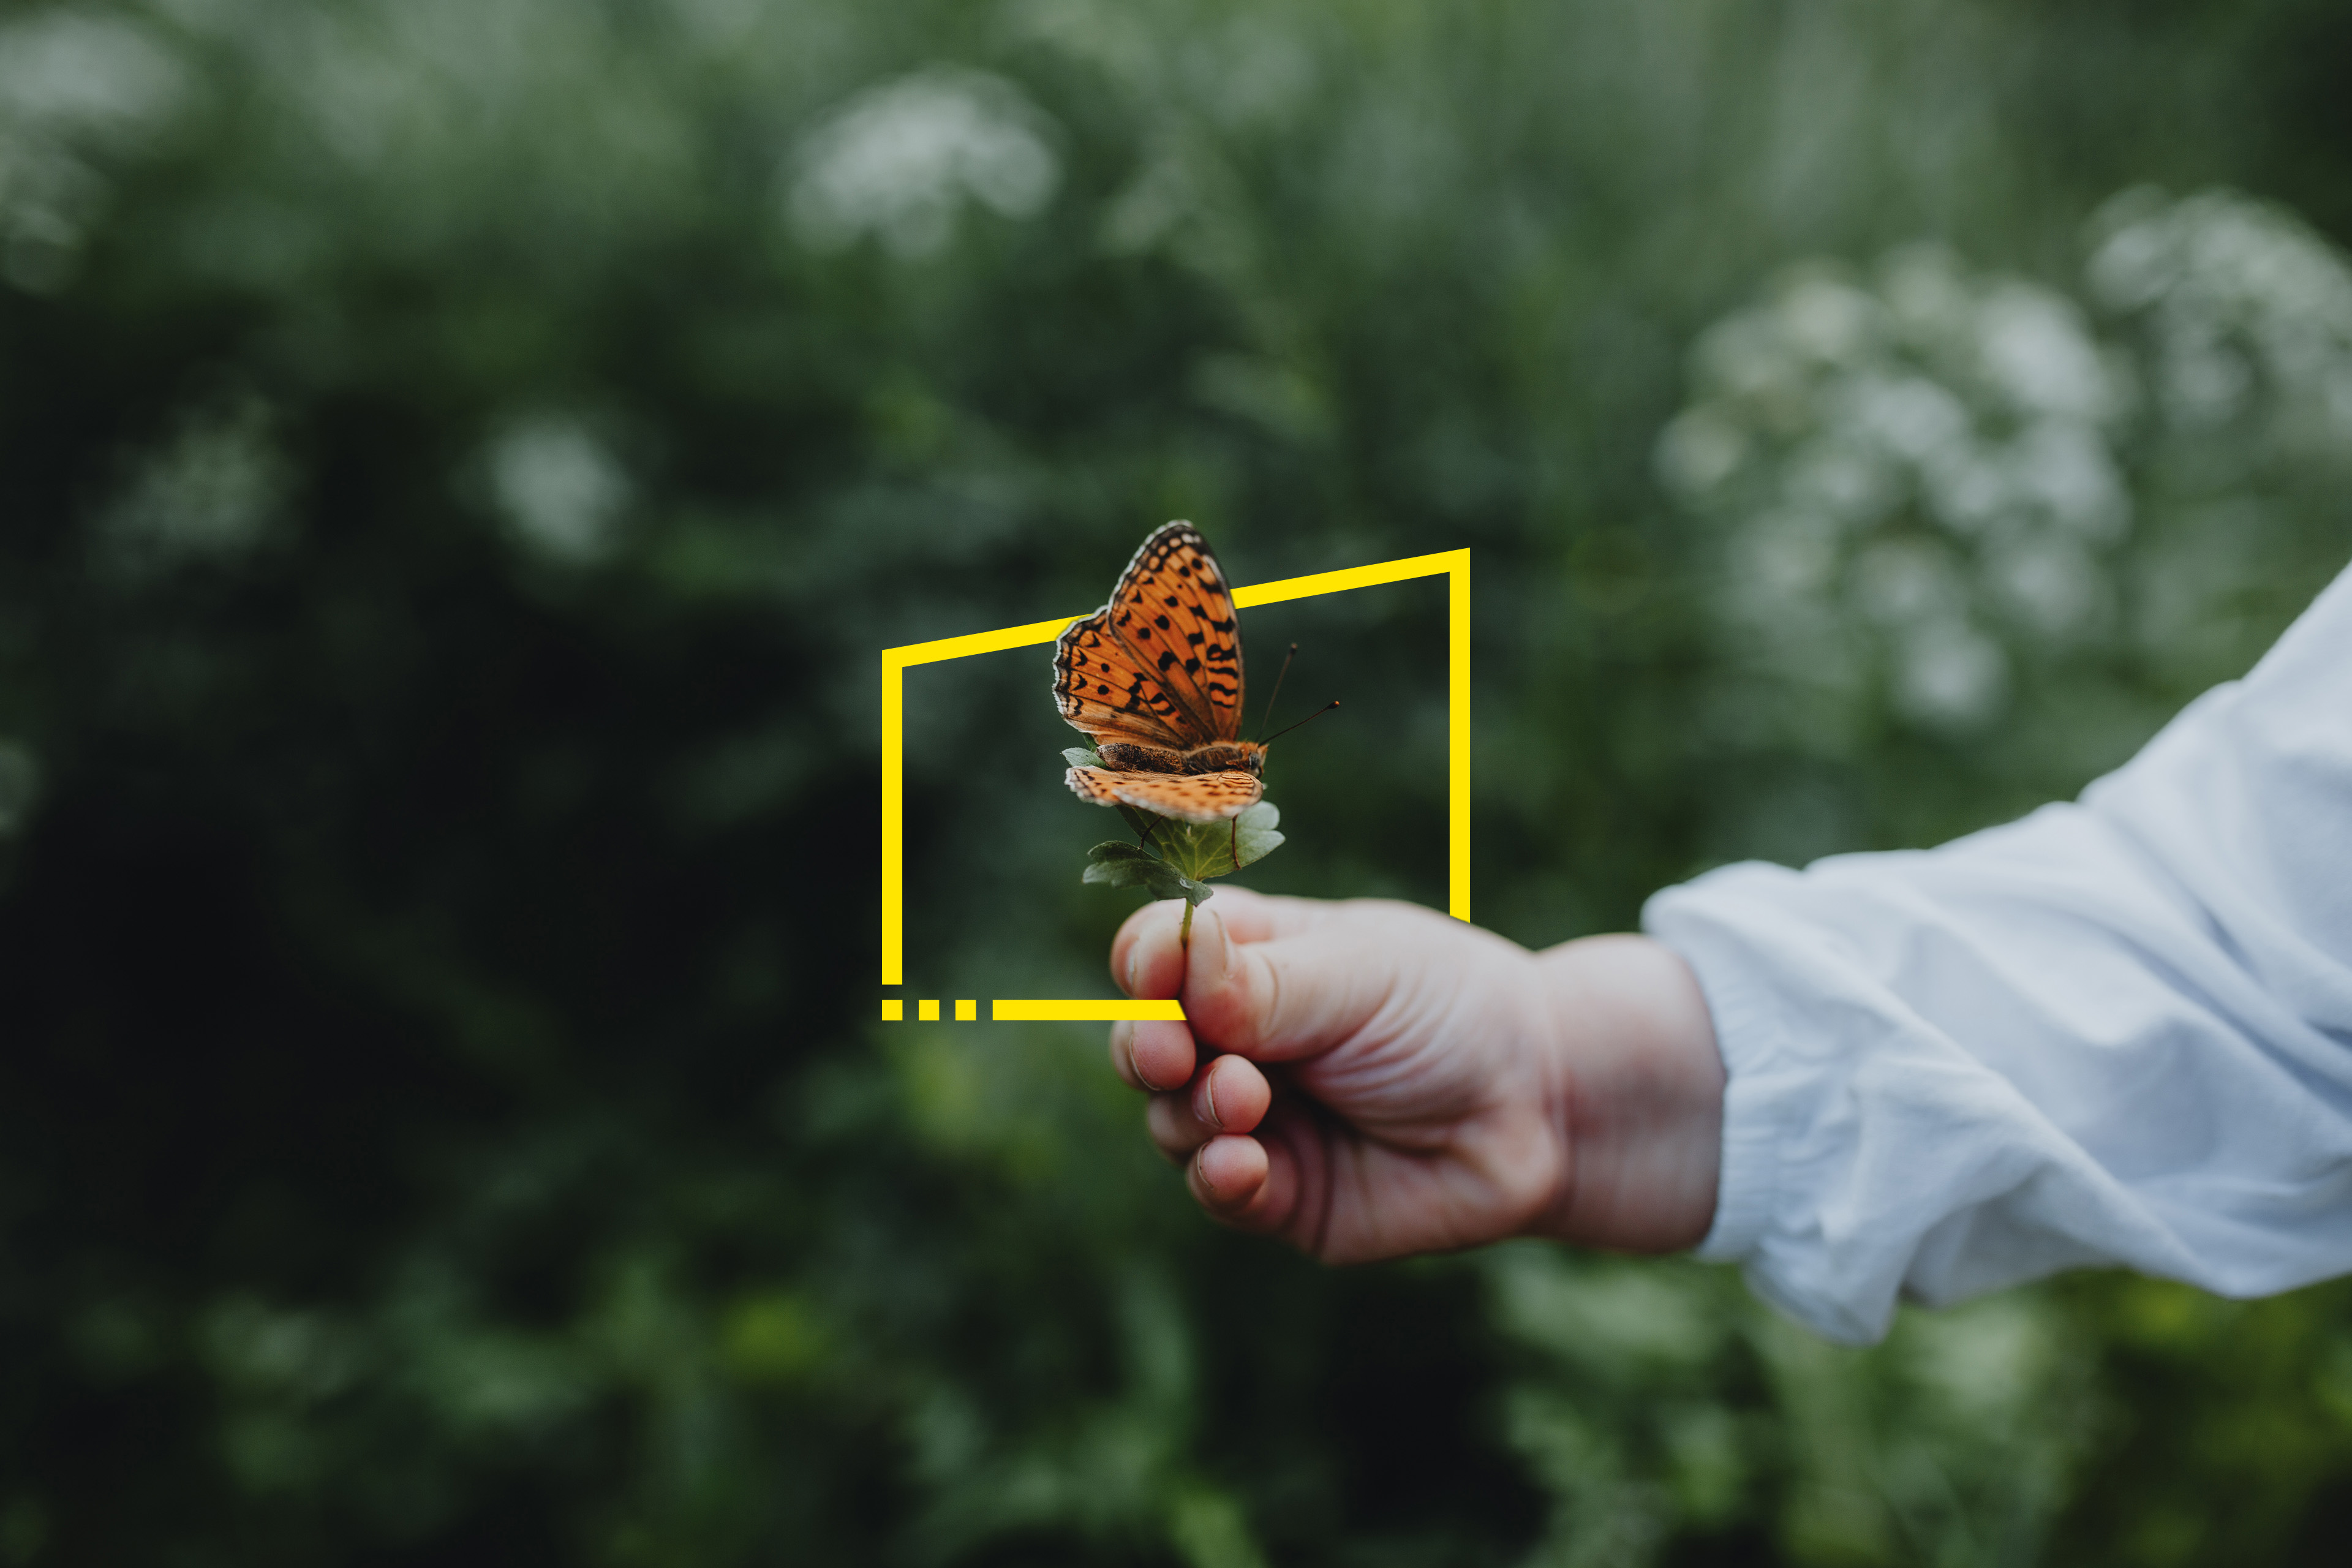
{"x": 1279, "y": 734}
{"x": 1267, "y": 717}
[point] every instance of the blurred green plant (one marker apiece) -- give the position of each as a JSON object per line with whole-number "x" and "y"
{"x": 458, "y": 456}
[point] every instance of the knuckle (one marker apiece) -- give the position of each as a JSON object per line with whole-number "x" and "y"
{"x": 1269, "y": 985}
{"x": 1242, "y": 1009}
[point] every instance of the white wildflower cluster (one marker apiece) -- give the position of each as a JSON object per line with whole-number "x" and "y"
{"x": 1924, "y": 474}
{"x": 2237, "y": 299}
{"x": 73, "y": 85}
{"x": 1917, "y": 469}
{"x": 900, "y": 160}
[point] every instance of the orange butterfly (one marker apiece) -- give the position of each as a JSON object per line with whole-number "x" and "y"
{"x": 1154, "y": 678}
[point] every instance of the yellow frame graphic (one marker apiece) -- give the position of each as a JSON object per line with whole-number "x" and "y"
{"x": 1453, "y": 564}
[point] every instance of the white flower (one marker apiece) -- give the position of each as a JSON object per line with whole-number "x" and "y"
{"x": 562, "y": 492}
{"x": 2237, "y": 296}
{"x": 1700, "y": 450}
{"x": 1950, "y": 675}
{"x": 65, "y": 72}
{"x": 899, "y": 160}
{"x": 2037, "y": 350}
{"x": 70, "y": 84}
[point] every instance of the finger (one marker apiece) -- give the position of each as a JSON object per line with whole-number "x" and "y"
{"x": 1146, "y": 958}
{"x": 1230, "y": 1095}
{"x": 1152, "y": 1055}
{"x": 1173, "y": 1129}
{"x": 1227, "y": 1174}
{"x": 1278, "y": 1193}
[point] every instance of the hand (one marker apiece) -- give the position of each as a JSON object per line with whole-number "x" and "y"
{"x": 1368, "y": 1079}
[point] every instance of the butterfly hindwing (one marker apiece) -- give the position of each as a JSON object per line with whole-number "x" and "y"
{"x": 1190, "y": 797}
{"x": 1160, "y": 664}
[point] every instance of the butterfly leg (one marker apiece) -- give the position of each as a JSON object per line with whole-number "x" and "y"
{"x": 1237, "y": 842}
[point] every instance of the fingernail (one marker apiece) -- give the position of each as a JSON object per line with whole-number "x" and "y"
{"x": 1209, "y": 1096}
{"x": 1122, "y": 1039}
{"x": 1223, "y": 948}
{"x": 1134, "y": 959}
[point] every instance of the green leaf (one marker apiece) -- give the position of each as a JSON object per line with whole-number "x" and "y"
{"x": 1204, "y": 849}
{"x": 1119, "y": 864}
{"x": 1082, "y": 756}
{"x": 1258, "y": 838}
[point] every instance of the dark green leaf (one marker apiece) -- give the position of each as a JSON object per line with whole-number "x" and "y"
{"x": 1122, "y": 865}
{"x": 1258, "y": 835}
{"x": 1204, "y": 849}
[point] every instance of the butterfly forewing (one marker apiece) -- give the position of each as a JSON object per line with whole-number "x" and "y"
{"x": 1173, "y": 611}
{"x": 1101, "y": 688}
{"x": 1161, "y": 663}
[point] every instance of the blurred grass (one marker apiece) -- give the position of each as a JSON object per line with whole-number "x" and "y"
{"x": 460, "y": 462}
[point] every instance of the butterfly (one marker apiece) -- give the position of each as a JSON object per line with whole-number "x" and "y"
{"x": 1154, "y": 678}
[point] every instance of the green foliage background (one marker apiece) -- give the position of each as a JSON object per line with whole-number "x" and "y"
{"x": 458, "y": 461}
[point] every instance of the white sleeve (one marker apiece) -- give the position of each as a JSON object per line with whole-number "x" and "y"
{"x": 2117, "y": 1032}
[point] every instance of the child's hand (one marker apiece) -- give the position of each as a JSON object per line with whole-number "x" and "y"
{"x": 1367, "y": 1079}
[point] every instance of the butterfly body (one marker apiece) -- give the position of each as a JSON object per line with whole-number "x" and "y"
{"x": 1154, "y": 678}
{"x": 1127, "y": 757}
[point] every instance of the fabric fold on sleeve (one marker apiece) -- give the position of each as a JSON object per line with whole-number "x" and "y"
{"x": 2114, "y": 1032}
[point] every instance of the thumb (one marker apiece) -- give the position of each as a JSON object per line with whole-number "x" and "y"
{"x": 1281, "y": 998}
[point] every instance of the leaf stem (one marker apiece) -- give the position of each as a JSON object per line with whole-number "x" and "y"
{"x": 1184, "y": 932}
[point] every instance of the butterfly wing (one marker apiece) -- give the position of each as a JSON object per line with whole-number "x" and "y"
{"x": 1102, "y": 690}
{"x": 1161, "y": 662}
{"x": 1190, "y": 797}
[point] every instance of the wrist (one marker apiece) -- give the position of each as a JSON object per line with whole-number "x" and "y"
{"x": 1636, "y": 1096}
